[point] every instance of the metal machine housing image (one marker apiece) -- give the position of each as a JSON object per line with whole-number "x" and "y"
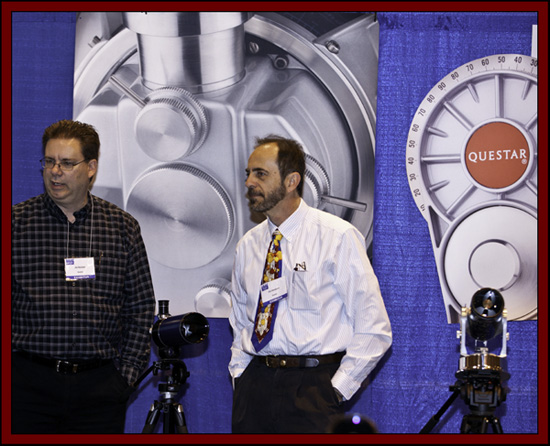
{"x": 178, "y": 99}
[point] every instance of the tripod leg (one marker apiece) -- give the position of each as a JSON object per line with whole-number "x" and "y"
{"x": 478, "y": 424}
{"x": 433, "y": 420}
{"x": 152, "y": 418}
{"x": 484, "y": 425}
{"x": 497, "y": 428}
{"x": 473, "y": 424}
{"x": 181, "y": 427}
{"x": 174, "y": 420}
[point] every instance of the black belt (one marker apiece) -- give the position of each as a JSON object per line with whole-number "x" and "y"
{"x": 65, "y": 367}
{"x": 280, "y": 361}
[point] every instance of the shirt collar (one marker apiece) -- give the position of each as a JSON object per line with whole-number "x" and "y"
{"x": 56, "y": 211}
{"x": 290, "y": 226}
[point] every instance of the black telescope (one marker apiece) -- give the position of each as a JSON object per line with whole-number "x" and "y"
{"x": 486, "y": 313}
{"x": 189, "y": 328}
{"x": 170, "y": 332}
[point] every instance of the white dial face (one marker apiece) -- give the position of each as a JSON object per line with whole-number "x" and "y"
{"x": 472, "y": 170}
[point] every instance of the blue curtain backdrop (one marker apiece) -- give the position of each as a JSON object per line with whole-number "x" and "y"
{"x": 412, "y": 382}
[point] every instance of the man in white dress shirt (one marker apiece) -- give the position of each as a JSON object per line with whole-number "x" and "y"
{"x": 330, "y": 326}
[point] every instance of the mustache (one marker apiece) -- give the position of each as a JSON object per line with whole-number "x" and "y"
{"x": 251, "y": 193}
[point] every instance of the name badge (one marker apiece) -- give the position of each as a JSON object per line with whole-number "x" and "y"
{"x": 273, "y": 290}
{"x": 79, "y": 268}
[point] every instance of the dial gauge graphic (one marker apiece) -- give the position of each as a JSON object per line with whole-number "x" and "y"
{"x": 472, "y": 171}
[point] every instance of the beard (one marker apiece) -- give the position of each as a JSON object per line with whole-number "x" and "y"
{"x": 269, "y": 202}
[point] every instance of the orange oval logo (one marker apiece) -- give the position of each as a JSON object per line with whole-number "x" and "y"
{"x": 497, "y": 155}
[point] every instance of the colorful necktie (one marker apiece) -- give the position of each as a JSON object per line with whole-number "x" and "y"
{"x": 265, "y": 314}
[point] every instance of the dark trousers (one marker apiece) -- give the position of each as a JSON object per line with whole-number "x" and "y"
{"x": 47, "y": 402}
{"x": 285, "y": 400}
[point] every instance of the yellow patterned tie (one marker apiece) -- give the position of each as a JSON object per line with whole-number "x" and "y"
{"x": 265, "y": 314}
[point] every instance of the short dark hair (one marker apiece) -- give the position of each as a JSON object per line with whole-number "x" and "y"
{"x": 290, "y": 157}
{"x": 67, "y": 129}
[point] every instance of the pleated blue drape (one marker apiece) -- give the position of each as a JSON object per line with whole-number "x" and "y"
{"x": 416, "y": 51}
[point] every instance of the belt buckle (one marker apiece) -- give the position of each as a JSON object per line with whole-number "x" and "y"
{"x": 275, "y": 362}
{"x": 65, "y": 367}
{"x": 272, "y": 361}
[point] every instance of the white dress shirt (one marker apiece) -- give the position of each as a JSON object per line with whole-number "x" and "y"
{"x": 334, "y": 302}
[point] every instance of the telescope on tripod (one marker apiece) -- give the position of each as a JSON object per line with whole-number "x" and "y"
{"x": 170, "y": 333}
{"x": 480, "y": 374}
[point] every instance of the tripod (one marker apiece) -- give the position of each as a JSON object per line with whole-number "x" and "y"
{"x": 482, "y": 391}
{"x": 174, "y": 418}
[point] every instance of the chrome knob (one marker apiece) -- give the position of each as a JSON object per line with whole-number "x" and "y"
{"x": 171, "y": 125}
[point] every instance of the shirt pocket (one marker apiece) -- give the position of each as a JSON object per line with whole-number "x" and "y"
{"x": 110, "y": 277}
{"x": 301, "y": 296}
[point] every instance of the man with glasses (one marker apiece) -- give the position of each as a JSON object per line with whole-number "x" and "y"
{"x": 82, "y": 297}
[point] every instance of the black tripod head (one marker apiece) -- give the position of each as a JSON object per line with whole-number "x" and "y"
{"x": 179, "y": 372}
{"x": 482, "y": 390}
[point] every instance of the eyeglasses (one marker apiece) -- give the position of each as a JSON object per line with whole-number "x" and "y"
{"x": 66, "y": 166}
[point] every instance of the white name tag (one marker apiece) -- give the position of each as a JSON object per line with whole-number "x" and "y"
{"x": 274, "y": 290}
{"x": 79, "y": 268}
